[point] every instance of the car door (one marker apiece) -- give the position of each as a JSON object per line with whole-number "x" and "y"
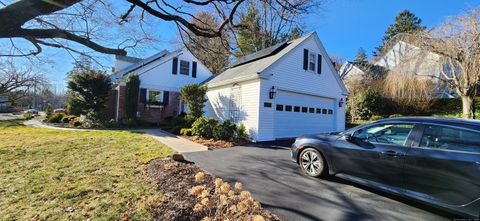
{"x": 443, "y": 165}
{"x": 375, "y": 153}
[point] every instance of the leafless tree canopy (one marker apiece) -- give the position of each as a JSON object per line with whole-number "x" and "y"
{"x": 55, "y": 23}
{"x": 14, "y": 79}
{"x": 457, "y": 41}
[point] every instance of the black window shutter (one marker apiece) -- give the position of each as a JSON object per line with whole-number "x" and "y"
{"x": 305, "y": 59}
{"x": 194, "y": 69}
{"x": 174, "y": 65}
{"x": 166, "y": 96}
{"x": 319, "y": 64}
{"x": 143, "y": 95}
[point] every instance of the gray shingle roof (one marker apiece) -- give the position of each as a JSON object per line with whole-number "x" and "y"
{"x": 250, "y": 68}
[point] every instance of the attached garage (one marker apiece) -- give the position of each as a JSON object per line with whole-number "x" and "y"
{"x": 285, "y": 91}
{"x": 296, "y": 114}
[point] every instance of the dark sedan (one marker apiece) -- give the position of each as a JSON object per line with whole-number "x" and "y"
{"x": 435, "y": 160}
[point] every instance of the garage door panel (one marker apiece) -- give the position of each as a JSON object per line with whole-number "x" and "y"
{"x": 292, "y": 124}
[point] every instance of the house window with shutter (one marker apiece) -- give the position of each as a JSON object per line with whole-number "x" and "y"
{"x": 311, "y": 62}
{"x": 184, "y": 67}
{"x": 155, "y": 97}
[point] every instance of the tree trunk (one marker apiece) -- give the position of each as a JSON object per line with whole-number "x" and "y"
{"x": 467, "y": 106}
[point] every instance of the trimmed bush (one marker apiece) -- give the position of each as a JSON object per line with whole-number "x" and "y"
{"x": 241, "y": 135}
{"x": 186, "y": 131}
{"x": 27, "y": 115}
{"x": 395, "y": 115}
{"x": 375, "y": 117}
{"x": 56, "y": 118}
{"x": 224, "y": 131}
{"x": 49, "y": 110}
{"x": 204, "y": 127}
{"x": 68, "y": 118}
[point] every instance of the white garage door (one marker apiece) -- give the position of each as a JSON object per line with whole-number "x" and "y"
{"x": 297, "y": 114}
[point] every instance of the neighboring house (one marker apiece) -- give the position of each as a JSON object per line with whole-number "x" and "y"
{"x": 402, "y": 58}
{"x": 281, "y": 92}
{"x": 161, "y": 77}
{"x": 3, "y": 104}
{"x": 410, "y": 60}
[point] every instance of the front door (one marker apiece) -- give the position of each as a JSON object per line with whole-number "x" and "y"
{"x": 444, "y": 166}
{"x": 375, "y": 153}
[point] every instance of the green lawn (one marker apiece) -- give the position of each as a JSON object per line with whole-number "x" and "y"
{"x": 75, "y": 175}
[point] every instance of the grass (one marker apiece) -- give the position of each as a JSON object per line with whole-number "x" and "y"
{"x": 75, "y": 175}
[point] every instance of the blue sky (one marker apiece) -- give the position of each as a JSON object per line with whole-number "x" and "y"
{"x": 343, "y": 26}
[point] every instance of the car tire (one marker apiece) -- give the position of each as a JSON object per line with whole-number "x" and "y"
{"x": 312, "y": 162}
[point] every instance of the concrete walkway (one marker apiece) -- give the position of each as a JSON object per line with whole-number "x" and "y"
{"x": 178, "y": 144}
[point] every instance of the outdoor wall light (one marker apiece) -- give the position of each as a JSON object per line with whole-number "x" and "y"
{"x": 272, "y": 92}
{"x": 340, "y": 103}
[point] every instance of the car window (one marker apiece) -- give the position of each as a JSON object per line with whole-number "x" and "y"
{"x": 384, "y": 133}
{"x": 450, "y": 139}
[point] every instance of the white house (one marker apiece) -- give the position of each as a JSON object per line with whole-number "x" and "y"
{"x": 161, "y": 77}
{"x": 281, "y": 92}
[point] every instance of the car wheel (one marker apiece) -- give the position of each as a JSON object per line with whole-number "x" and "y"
{"x": 312, "y": 163}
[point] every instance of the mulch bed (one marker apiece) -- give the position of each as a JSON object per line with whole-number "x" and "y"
{"x": 213, "y": 144}
{"x": 174, "y": 179}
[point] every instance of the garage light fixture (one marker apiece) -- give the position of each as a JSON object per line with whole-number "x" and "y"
{"x": 340, "y": 103}
{"x": 272, "y": 92}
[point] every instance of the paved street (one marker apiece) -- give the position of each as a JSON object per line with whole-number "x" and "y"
{"x": 277, "y": 182}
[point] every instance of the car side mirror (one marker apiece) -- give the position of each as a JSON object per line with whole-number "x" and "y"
{"x": 349, "y": 137}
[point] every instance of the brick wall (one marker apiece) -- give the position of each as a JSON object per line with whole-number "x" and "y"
{"x": 110, "y": 109}
{"x": 158, "y": 115}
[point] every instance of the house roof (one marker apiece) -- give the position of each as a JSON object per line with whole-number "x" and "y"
{"x": 128, "y": 58}
{"x": 250, "y": 66}
{"x": 164, "y": 54}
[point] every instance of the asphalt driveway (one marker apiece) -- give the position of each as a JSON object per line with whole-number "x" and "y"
{"x": 278, "y": 183}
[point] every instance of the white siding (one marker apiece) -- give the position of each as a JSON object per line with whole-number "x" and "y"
{"x": 218, "y": 104}
{"x": 287, "y": 74}
{"x": 158, "y": 74}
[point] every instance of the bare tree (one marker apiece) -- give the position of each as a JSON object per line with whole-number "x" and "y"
{"x": 457, "y": 42}
{"x": 56, "y": 23}
{"x": 14, "y": 79}
{"x": 213, "y": 52}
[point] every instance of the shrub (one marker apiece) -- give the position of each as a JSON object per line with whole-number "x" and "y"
{"x": 56, "y": 118}
{"x": 76, "y": 122}
{"x": 186, "y": 131}
{"x": 204, "y": 127}
{"x": 241, "y": 134}
{"x": 68, "y": 118}
{"x": 130, "y": 122}
{"x": 132, "y": 89}
{"x": 375, "y": 117}
{"x": 194, "y": 96}
{"x": 27, "y": 115}
{"x": 49, "y": 110}
{"x": 224, "y": 202}
{"x": 224, "y": 131}
{"x": 88, "y": 91}
{"x": 368, "y": 103}
{"x": 395, "y": 115}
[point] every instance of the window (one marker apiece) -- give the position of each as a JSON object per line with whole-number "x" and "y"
{"x": 384, "y": 133}
{"x": 267, "y": 104}
{"x": 324, "y": 111}
{"x": 279, "y": 107}
{"x": 319, "y": 110}
{"x": 296, "y": 109}
{"x": 184, "y": 67}
{"x": 330, "y": 111}
{"x": 304, "y": 109}
{"x": 311, "y": 110}
{"x": 311, "y": 62}
{"x": 288, "y": 108}
{"x": 155, "y": 97}
{"x": 446, "y": 138}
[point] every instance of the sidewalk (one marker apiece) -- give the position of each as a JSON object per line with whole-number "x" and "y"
{"x": 178, "y": 144}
